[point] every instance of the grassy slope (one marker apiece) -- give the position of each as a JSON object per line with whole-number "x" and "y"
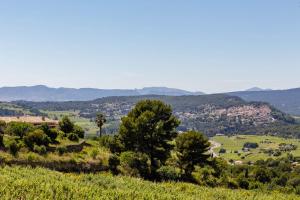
{"x": 13, "y": 107}
{"x": 86, "y": 155}
{"x": 236, "y": 143}
{"x": 27, "y": 183}
{"x": 85, "y": 123}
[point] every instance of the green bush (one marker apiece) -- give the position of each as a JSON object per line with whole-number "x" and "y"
{"x": 135, "y": 164}
{"x": 66, "y": 125}
{"x": 14, "y": 148}
{"x": 294, "y": 182}
{"x": 18, "y": 128}
{"x": 52, "y": 133}
{"x": 205, "y": 176}
{"x": 73, "y": 137}
{"x": 222, "y": 150}
{"x": 232, "y": 184}
{"x": 243, "y": 183}
{"x": 262, "y": 175}
{"x": 37, "y": 137}
{"x": 78, "y": 131}
{"x": 2, "y": 126}
{"x": 297, "y": 190}
{"x": 61, "y": 150}
{"x": 106, "y": 141}
{"x": 42, "y": 150}
{"x": 94, "y": 153}
{"x": 1, "y": 141}
{"x": 168, "y": 173}
{"x": 113, "y": 163}
{"x": 115, "y": 146}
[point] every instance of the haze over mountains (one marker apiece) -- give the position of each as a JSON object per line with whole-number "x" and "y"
{"x": 285, "y": 100}
{"x": 44, "y": 93}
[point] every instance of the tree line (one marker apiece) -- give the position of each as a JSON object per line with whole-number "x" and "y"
{"x": 149, "y": 146}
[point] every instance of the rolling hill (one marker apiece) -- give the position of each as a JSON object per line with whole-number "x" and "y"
{"x": 209, "y": 113}
{"x": 285, "y": 100}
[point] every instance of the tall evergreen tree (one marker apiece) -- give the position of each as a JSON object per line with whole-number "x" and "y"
{"x": 148, "y": 129}
{"x": 191, "y": 149}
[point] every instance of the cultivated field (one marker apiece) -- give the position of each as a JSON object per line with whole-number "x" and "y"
{"x": 28, "y": 183}
{"x": 234, "y": 146}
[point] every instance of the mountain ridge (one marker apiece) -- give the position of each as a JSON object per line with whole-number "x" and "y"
{"x": 45, "y": 93}
{"x": 285, "y": 100}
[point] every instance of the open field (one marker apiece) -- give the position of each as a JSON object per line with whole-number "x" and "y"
{"x": 28, "y": 183}
{"x": 235, "y": 143}
{"x": 89, "y": 126}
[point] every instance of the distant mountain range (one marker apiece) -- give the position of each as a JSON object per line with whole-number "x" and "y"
{"x": 212, "y": 114}
{"x": 285, "y": 100}
{"x": 44, "y": 93}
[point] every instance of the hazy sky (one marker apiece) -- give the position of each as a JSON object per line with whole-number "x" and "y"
{"x": 200, "y": 45}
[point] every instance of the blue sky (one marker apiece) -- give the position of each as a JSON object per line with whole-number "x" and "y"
{"x": 198, "y": 45}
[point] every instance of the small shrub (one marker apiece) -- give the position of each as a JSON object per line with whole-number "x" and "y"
{"x": 78, "y": 131}
{"x": 66, "y": 125}
{"x": 61, "y": 150}
{"x": 53, "y": 134}
{"x": 262, "y": 175}
{"x": 14, "y": 148}
{"x": 134, "y": 164}
{"x": 243, "y": 183}
{"x": 42, "y": 150}
{"x": 37, "y": 137}
{"x": 294, "y": 182}
{"x": 168, "y": 173}
{"x": 251, "y": 145}
{"x": 1, "y": 141}
{"x": 222, "y": 150}
{"x": 31, "y": 157}
{"x": 297, "y": 190}
{"x": 113, "y": 163}
{"x": 232, "y": 184}
{"x": 277, "y": 153}
{"x": 116, "y": 146}
{"x": 105, "y": 141}
{"x": 61, "y": 134}
{"x": 73, "y": 137}
{"x": 205, "y": 176}
{"x": 94, "y": 153}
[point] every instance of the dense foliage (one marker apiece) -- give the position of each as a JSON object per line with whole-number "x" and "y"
{"x": 191, "y": 149}
{"x": 148, "y": 129}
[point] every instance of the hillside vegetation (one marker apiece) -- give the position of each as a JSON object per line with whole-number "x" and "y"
{"x": 28, "y": 183}
{"x": 147, "y": 146}
{"x": 211, "y": 114}
{"x": 9, "y": 109}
